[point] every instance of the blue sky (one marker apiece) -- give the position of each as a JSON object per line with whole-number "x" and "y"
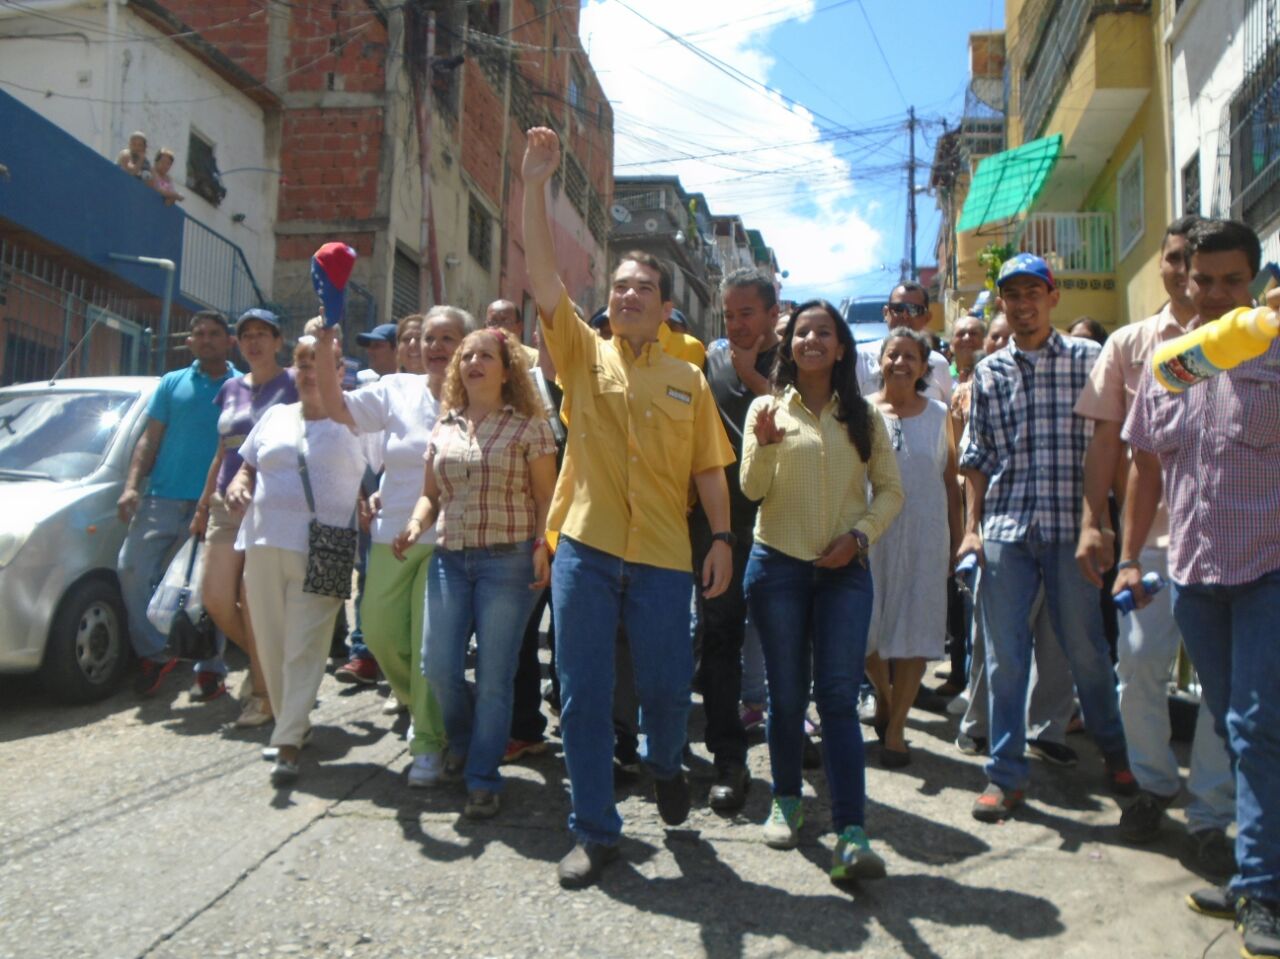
{"x": 818, "y": 167}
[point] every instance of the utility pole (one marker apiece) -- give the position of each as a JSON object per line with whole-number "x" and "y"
{"x": 911, "y": 188}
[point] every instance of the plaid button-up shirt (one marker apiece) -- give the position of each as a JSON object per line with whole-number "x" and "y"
{"x": 1025, "y": 438}
{"x": 1219, "y": 449}
{"x": 486, "y": 496}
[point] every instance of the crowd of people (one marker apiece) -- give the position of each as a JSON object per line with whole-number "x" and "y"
{"x": 843, "y": 513}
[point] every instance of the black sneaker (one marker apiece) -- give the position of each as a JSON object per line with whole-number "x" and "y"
{"x": 729, "y": 791}
{"x": 1140, "y": 821}
{"x": 583, "y": 865}
{"x": 1215, "y": 901}
{"x": 673, "y": 799}
{"x": 1215, "y": 853}
{"x": 1053, "y": 753}
{"x": 1259, "y": 923}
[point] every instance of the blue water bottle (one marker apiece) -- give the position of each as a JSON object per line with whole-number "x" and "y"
{"x": 1152, "y": 582}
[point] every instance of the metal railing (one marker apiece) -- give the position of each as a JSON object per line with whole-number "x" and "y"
{"x": 1052, "y": 34}
{"x": 1071, "y": 243}
{"x": 215, "y": 272}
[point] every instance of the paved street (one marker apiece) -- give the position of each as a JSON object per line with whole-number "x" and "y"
{"x": 150, "y": 829}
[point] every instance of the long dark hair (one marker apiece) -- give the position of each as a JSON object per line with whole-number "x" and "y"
{"x": 851, "y": 408}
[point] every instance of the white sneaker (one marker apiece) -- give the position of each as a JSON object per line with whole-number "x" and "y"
{"x": 272, "y": 753}
{"x": 426, "y": 770}
{"x": 958, "y": 706}
{"x": 393, "y": 706}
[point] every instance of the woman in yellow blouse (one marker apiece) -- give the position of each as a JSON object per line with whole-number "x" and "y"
{"x": 809, "y": 450}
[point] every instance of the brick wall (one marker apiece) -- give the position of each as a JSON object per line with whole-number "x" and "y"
{"x": 238, "y": 28}
{"x": 482, "y": 140}
{"x": 329, "y": 157}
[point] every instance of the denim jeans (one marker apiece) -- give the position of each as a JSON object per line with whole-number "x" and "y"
{"x": 1148, "y": 645}
{"x": 159, "y": 527}
{"x": 1013, "y": 575}
{"x": 485, "y": 591}
{"x": 1051, "y": 695}
{"x": 813, "y": 616}
{"x": 591, "y": 593}
{"x": 1230, "y": 632}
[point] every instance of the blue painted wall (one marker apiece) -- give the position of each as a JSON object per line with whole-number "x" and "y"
{"x": 64, "y": 192}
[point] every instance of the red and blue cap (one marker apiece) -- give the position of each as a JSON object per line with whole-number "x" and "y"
{"x": 331, "y": 267}
{"x": 1026, "y": 264}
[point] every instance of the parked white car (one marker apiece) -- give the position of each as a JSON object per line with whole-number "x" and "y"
{"x": 64, "y": 455}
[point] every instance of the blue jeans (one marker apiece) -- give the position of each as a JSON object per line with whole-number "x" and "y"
{"x": 159, "y": 527}
{"x": 485, "y": 591}
{"x": 821, "y": 616}
{"x": 1230, "y": 632}
{"x": 591, "y": 593}
{"x": 1012, "y": 577}
{"x": 753, "y": 689}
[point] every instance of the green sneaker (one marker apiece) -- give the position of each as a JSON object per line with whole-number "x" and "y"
{"x": 782, "y": 828}
{"x": 853, "y": 858}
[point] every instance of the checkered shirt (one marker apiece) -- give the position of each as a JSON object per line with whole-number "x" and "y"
{"x": 1025, "y": 438}
{"x": 486, "y": 497}
{"x": 1218, "y": 444}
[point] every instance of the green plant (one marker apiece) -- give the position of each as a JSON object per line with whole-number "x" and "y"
{"x": 991, "y": 259}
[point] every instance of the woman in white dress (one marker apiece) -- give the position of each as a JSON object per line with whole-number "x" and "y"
{"x": 909, "y": 564}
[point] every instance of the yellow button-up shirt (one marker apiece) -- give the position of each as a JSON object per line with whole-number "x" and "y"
{"x": 640, "y": 428}
{"x": 813, "y": 484}
{"x": 682, "y": 346}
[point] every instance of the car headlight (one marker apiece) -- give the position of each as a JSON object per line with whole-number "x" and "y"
{"x": 12, "y": 539}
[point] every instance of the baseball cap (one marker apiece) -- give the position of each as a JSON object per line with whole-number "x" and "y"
{"x": 980, "y": 304}
{"x": 678, "y": 320}
{"x": 331, "y": 267}
{"x": 264, "y": 316}
{"x": 1025, "y": 264}
{"x": 382, "y": 333}
{"x": 600, "y": 318}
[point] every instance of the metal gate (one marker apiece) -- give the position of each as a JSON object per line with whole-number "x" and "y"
{"x": 56, "y": 320}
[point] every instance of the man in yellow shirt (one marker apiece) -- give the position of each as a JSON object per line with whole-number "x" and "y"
{"x": 642, "y": 426}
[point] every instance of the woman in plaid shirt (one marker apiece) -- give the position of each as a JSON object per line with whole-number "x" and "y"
{"x": 491, "y": 468}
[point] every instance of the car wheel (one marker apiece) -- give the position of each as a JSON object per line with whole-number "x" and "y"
{"x": 87, "y": 652}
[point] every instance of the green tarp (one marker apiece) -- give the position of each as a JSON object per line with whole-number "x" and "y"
{"x": 1008, "y": 183}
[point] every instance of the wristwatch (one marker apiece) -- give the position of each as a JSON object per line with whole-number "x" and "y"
{"x": 1128, "y": 564}
{"x": 726, "y": 537}
{"x": 861, "y": 539}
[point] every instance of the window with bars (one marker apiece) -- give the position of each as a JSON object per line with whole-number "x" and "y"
{"x": 202, "y": 169}
{"x": 1130, "y": 206}
{"x": 577, "y": 89}
{"x": 1191, "y": 185}
{"x": 480, "y": 233}
{"x": 405, "y": 276}
{"x": 1255, "y": 120}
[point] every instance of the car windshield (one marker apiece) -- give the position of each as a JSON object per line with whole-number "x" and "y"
{"x": 58, "y": 435}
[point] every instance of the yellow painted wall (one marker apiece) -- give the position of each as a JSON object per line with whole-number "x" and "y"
{"x": 1138, "y": 272}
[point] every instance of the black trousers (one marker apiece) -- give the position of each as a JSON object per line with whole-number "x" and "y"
{"x": 527, "y": 722}
{"x": 722, "y": 622}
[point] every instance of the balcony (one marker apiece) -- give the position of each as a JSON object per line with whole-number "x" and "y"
{"x": 1072, "y": 244}
{"x": 1084, "y": 69}
{"x": 98, "y": 212}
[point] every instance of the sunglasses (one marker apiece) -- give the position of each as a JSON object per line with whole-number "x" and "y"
{"x": 907, "y": 309}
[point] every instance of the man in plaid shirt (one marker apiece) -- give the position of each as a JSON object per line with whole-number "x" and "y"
{"x": 1024, "y": 462}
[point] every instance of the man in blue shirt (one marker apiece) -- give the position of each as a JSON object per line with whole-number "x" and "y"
{"x": 1024, "y": 462}
{"x": 173, "y": 457}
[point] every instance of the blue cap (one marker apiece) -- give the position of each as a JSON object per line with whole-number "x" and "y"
{"x": 678, "y": 319}
{"x": 382, "y": 333}
{"x": 264, "y": 316}
{"x": 331, "y": 267}
{"x": 600, "y": 318}
{"x": 1025, "y": 264}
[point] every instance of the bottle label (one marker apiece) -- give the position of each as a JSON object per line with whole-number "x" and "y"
{"x": 1188, "y": 367}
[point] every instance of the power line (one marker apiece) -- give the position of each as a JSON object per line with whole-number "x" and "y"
{"x": 887, "y": 65}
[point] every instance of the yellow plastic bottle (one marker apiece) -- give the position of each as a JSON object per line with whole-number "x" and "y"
{"x": 1237, "y": 337}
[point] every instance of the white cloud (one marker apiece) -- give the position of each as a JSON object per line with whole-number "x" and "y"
{"x": 670, "y": 103}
